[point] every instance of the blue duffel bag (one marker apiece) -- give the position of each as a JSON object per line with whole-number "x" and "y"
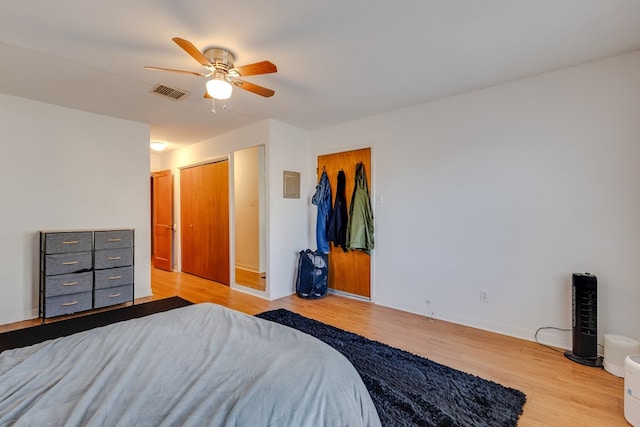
{"x": 313, "y": 274}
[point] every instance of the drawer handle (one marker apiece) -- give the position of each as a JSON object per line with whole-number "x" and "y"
{"x": 115, "y": 295}
{"x": 115, "y": 277}
{"x": 69, "y": 262}
{"x": 66, "y": 304}
{"x": 70, "y": 242}
{"x": 69, "y": 283}
{"x": 115, "y": 240}
{"x": 114, "y": 258}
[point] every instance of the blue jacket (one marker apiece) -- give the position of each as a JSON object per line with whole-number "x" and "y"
{"x": 322, "y": 199}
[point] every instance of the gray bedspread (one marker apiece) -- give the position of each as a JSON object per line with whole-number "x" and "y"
{"x": 201, "y": 365}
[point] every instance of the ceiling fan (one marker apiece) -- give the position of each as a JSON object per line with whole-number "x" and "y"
{"x": 219, "y": 63}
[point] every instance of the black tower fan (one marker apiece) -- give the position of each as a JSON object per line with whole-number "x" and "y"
{"x": 584, "y": 305}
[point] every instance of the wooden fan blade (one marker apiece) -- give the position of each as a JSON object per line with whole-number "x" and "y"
{"x": 259, "y": 90}
{"x": 175, "y": 71}
{"x": 192, "y": 50}
{"x": 264, "y": 67}
{"x": 206, "y": 95}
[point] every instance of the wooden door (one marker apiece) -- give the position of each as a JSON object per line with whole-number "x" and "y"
{"x": 215, "y": 188}
{"x": 204, "y": 207}
{"x": 349, "y": 272}
{"x": 162, "y": 219}
{"x": 189, "y": 207}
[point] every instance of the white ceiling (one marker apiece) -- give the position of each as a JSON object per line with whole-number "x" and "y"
{"x": 337, "y": 60}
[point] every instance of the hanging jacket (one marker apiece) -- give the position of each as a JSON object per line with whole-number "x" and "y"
{"x": 340, "y": 217}
{"x": 360, "y": 226}
{"x": 322, "y": 199}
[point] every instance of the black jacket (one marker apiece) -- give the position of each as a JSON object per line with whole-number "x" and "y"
{"x": 339, "y": 218}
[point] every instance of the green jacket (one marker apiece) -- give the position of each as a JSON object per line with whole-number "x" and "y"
{"x": 360, "y": 224}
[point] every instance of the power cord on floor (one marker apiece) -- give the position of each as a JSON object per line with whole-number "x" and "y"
{"x": 554, "y": 328}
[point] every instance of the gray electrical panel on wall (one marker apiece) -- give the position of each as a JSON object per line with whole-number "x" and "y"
{"x": 291, "y": 185}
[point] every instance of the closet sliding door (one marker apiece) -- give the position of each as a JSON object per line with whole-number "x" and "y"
{"x": 349, "y": 272}
{"x": 204, "y": 213}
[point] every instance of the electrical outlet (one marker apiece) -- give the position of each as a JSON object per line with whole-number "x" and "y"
{"x": 484, "y": 295}
{"x": 430, "y": 310}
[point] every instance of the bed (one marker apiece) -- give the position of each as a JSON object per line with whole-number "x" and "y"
{"x": 198, "y": 365}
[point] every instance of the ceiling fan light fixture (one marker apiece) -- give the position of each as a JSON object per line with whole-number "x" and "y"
{"x": 219, "y": 88}
{"x": 158, "y": 145}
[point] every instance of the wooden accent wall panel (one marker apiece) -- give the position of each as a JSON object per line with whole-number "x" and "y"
{"x": 349, "y": 272}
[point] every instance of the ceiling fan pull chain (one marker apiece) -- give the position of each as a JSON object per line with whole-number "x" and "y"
{"x": 213, "y": 105}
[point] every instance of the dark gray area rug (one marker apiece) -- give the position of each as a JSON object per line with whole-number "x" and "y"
{"x": 409, "y": 390}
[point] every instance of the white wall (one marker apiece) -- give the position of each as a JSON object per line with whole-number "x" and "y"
{"x": 510, "y": 190}
{"x": 287, "y": 233}
{"x": 66, "y": 169}
{"x": 286, "y": 147}
{"x": 155, "y": 161}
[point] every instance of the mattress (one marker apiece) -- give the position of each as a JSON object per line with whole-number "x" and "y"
{"x": 198, "y": 365}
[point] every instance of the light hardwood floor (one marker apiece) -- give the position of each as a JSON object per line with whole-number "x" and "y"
{"x": 559, "y": 392}
{"x": 251, "y": 279}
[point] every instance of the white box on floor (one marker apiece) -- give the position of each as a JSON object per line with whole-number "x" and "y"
{"x": 616, "y": 349}
{"x": 632, "y": 389}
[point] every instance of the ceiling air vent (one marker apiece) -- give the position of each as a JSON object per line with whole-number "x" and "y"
{"x": 169, "y": 92}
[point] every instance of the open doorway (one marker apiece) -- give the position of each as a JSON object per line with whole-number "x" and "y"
{"x": 249, "y": 217}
